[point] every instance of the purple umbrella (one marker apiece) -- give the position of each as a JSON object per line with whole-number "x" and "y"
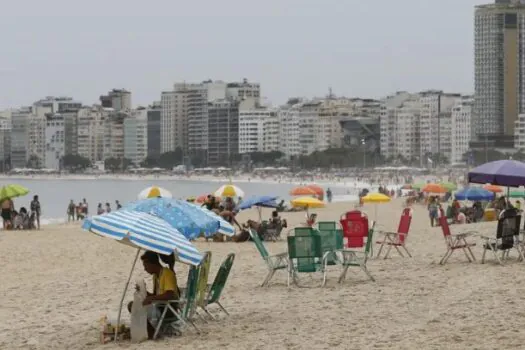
{"x": 501, "y": 172}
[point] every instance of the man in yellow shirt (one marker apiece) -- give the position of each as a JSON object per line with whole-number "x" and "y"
{"x": 164, "y": 288}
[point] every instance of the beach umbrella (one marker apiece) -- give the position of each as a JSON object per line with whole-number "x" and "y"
{"x": 319, "y": 191}
{"x": 449, "y": 186}
{"x": 376, "y": 198}
{"x": 517, "y": 194}
{"x": 153, "y": 192}
{"x": 474, "y": 194}
{"x": 184, "y": 216}
{"x": 433, "y": 188}
{"x": 142, "y": 231}
{"x": 493, "y": 188}
{"x": 307, "y": 203}
{"x": 12, "y": 191}
{"x": 259, "y": 202}
{"x": 224, "y": 226}
{"x": 509, "y": 173}
{"x": 303, "y": 191}
{"x": 229, "y": 191}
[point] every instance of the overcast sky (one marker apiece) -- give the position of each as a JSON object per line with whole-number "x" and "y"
{"x": 362, "y": 48}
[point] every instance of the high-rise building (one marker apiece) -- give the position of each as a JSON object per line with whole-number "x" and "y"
{"x": 461, "y": 129}
{"x": 90, "y": 132}
{"x": 154, "y": 126}
{"x": 223, "y": 131}
{"x": 5, "y": 142}
{"x": 248, "y": 94}
{"x": 136, "y": 136}
{"x": 253, "y": 134}
{"x": 118, "y": 99}
{"x": 55, "y": 145}
{"x": 114, "y": 135}
{"x": 499, "y": 61}
{"x": 20, "y": 137}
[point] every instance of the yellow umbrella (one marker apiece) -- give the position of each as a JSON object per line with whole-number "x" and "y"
{"x": 307, "y": 202}
{"x": 376, "y": 198}
{"x": 229, "y": 191}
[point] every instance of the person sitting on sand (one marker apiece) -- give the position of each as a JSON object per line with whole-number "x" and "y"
{"x": 164, "y": 288}
{"x": 7, "y": 209}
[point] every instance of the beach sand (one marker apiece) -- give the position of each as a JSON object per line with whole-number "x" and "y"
{"x": 56, "y": 284}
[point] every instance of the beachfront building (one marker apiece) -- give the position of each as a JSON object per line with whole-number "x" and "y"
{"x": 258, "y": 130}
{"x": 114, "y": 135}
{"x": 461, "y": 129}
{"x": 184, "y": 118}
{"x": 55, "y": 145}
{"x": 36, "y": 137}
{"x": 499, "y": 59}
{"x": 5, "y": 141}
{"x": 20, "y": 137}
{"x": 154, "y": 126}
{"x": 289, "y": 129}
{"x": 117, "y": 99}
{"x": 90, "y": 132}
{"x": 248, "y": 94}
{"x": 136, "y": 136}
{"x": 223, "y": 132}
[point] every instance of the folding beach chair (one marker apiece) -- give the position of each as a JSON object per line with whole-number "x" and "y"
{"x": 305, "y": 255}
{"x": 397, "y": 239}
{"x": 327, "y": 225}
{"x": 354, "y": 257}
{"x": 215, "y": 291}
{"x": 456, "y": 241}
{"x": 273, "y": 262}
{"x": 172, "y": 316}
{"x": 507, "y": 236}
{"x": 202, "y": 284}
{"x": 355, "y": 228}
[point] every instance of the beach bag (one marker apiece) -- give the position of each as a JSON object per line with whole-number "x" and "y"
{"x": 139, "y": 315}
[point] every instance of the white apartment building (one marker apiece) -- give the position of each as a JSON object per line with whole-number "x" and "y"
{"x": 5, "y": 141}
{"x": 258, "y": 130}
{"x": 309, "y": 136}
{"x": 388, "y": 122}
{"x": 248, "y": 94}
{"x": 289, "y": 130}
{"x": 37, "y": 139}
{"x": 55, "y": 145}
{"x": 136, "y": 136}
{"x": 406, "y": 138}
{"x": 184, "y": 117}
{"x": 117, "y": 99}
{"x": 114, "y": 135}
{"x": 461, "y": 129}
{"x": 90, "y": 132}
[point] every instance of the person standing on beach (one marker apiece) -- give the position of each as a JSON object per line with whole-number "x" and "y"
{"x": 100, "y": 210}
{"x": 71, "y": 208}
{"x": 36, "y": 210}
{"x": 7, "y": 209}
{"x": 85, "y": 208}
{"x": 118, "y": 205}
{"x": 432, "y": 210}
{"x": 108, "y": 208}
{"x": 329, "y": 195}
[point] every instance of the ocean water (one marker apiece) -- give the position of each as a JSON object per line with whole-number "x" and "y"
{"x": 55, "y": 194}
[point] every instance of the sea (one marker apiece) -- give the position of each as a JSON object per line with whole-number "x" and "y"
{"x": 55, "y": 194}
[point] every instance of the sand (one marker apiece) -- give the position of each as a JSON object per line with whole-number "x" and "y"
{"x": 56, "y": 284}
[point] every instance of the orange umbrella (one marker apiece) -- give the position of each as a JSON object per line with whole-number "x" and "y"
{"x": 433, "y": 188}
{"x": 493, "y": 188}
{"x": 303, "y": 191}
{"x": 318, "y": 190}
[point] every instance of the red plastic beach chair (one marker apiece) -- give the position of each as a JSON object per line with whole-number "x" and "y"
{"x": 397, "y": 239}
{"x": 455, "y": 241}
{"x": 355, "y": 228}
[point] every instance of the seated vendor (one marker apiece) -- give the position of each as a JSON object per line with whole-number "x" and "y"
{"x": 164, "y": 288}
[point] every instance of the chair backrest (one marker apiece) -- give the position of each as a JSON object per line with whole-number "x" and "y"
{"x": 303, "y": 231}
{"x": 331, "y": 240}
{"x": 508, "y": 228}
{"x": 202, "y": 285}
{"x": 258, "y": 243}
{"x": 444, "y": 224}
{"x": 305, "y": 252}
{"x": 220, "y": 279}
{"x": 326, "y": 225}
{"x": 404, "y": 224}
{"x": 369, "y": 239}
{"x": 191, "y": 290}
{"x": 355, "y": 228}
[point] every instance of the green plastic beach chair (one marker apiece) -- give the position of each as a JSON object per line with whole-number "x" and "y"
{"x": 331, "y": 242}
{"x": 273, "y": 262}
{"x": 327, "y": 225}
{"x": 306, "y": 256}
{"x": 167, "y": 325}
{"x": 215, "y": 292}
{"x": 202, "y": 284}
{"x": 357, "y": 258}
{"x": 303, "y": 231}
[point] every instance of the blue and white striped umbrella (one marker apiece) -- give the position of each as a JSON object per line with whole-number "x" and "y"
{"x": 224, "y": 226}
{"x": 145, "y": 231}
{"x": 184, "y": 216}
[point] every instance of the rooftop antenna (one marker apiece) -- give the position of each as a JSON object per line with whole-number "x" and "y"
{"x": 330, "y": 94}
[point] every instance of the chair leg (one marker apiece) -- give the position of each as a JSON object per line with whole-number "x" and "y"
{"x": 406, "y": 250}
{"x": 364, "y": 268}
{"x": 205, "y": 308}
{"x": 399, "y": 251}
{"x": 471, "y": 254}
{"x": 159, "y": 322}
{"x": 222, "y": 308}
{"x": 446, "y": 256}
{"x": 483, "y": 256}
{"x": 343, "y": 274}
{"x": 467, "y": 254}
{"x": 380, "y": 248}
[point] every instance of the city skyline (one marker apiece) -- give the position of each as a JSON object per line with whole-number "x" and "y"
{"x": 285, "y": 53}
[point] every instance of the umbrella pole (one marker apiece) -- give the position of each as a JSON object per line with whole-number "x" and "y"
{"x": 259, "y": 209}
{"x": 124, "y": 294}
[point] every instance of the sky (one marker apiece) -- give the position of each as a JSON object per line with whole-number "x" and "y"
{"x": 359, "y": 48}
